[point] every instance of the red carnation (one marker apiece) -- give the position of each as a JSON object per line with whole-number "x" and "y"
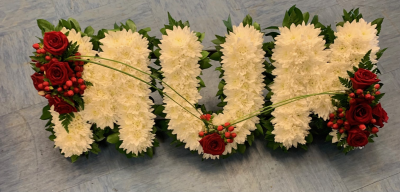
{"x": 359, "y": 114}
{"x": 61, "y": 106}
{"x": 363, "y": 78}
{"x": 357, "y": 137}
{"x": 55, "y": 42}
{"x": 37, "y": 79}
{"x": 213, "y": 144}
{"x": 380, "y": 115}
{"x": 58, "y": 72}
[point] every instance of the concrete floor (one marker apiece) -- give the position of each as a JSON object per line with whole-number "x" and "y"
{"x": 30, "y": 163}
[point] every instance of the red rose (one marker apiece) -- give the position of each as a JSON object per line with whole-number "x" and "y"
{"x": 359, "y": 114}
{"x": 61, "y": 106}
{"x": 380, "y": 115}
{"x": 55, "y": 42}
{"x": 58, "y": 72}
{"x": 37, "y": 79}
{"x": 213, "y": 144}
{"x": 357, "y": 137}
{"x": 363, "y": 78}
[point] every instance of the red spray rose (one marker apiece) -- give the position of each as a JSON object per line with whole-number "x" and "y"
{"x": 213, "y": 144}
{"x": 359, "y": 114}
{"x": 55, "y": 42}
{"x": 380, "y": 115}
{"x": 363, "y": 78}
{"x": 357, "y": 137}
{"x": 37, "y": 79}
{"x": 61, "y": 106}
{"x": 58, "y": 72}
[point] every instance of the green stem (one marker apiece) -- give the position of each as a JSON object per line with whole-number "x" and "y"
{"x": 143, "y": 73}
{"x": 137, "y": 79}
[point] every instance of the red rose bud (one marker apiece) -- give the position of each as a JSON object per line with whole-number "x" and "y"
{"x": 76, "y": 90}
{"x": 41, "y": 68}
{"x": 341, "y": 130}
{"x": 229, "y": 140}
{"x": 83, "y": 87}
{"x": 373, "y": 121}
{"x": 80, "y": 81}
{"x": 68, "y": 83}
{"x": 45, "y": 83}
{"x": 233, "y": 135}
{"x": 201, "y": 133}
{"x": 339, "y": 122}
{"x": 374, "y": 130}
{"x": 47, "y": 88}
{"x": 362, "y": 127}
{"x": 79, "y": 74}
{"x": 40, "y": 86}
{"x": 220, "y": 128}
{"x": 352, "y": 101}
{"x": 47, "y": 58}
{"x": 335, "y": 126}
{"x": 341, "y": 115}
{"x": 340, "y": 110}
{"x": 36, "y": 46}
{"x": 70, "y": 93}
{"x": 38, "y": 65}
{"x": 330, "y": 124}
{"x": 231, "y": 128}
{"x": 352, "y": 95}
{"x": 54, "y": 59}
{"x": 59, "y": 89}
{"x": 331, "y": 115}
{"x": 359, "y": 91}
{"x": 377, "y": 86}
{"x": 377, "y": 93}
{"x": 73, "y": 79}
{"x": 368, "y": 96}
{"x": 227, "y": 134}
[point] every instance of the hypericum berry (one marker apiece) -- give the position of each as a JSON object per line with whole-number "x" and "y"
{"x": 208, "y": 117}
{"x": 41, "y": 68}
{"x": 341, "y": 130}
{"x": 340, "y": 110}
{"x": 374, "y": 130}
{"x": 220, "y": 128}
{"x": 347, "y": 127}
{"x": 368, "y": 96}
{"x": 331, "y": 115}
{"x": 352, "y": 101}
{"x": 227, "y": 124}
{"x": 47, "y": 96}
{"x": 231, "y": 128}
{"x": 377, "y": 86}
{"x": 54, "y": 59}
{"x": 70, "y": 93}
{"x": 339, "y": 122}
{"x": 80, "y": 81}
{"x": 82, "y": 87}
{"x": 377, "y": 93}
{"x": 201, "y": 133}
{"x": 40, "y": 86}
{"x": 45, "y": 83}
{"x": 227, "y": 134}
{"x": 73, "y": 79}
{"x": 346, "y": 123}
{"x": 39, "y": 51}
{"x": 36, "y": 46}
{"x": 373, "y": 121}
{"x": 48, "y": 58}
{"x": 341, "y": 115}
{"x": 59, "y": 89}
{"x": 362, "y": 127}
{"x": 233, "y": 135}
{"x": 77, "y": 54}
{"x": 229, "y": 140}
{"x": 47, "y": 88}
{"x": 81, "y": 92}
{"x": 359, "y": 91}
{"x": 43, "y": 51}
{"x": 79, "y": 74}
{"x": 77, "y": 68}
{"x": 330, "y": 124}
{"x": 38, "y": 65}
{"x": 66, "y": 94}
{"x": 65, "y": 87}
{"x": 76, "y": 90}
{"x": 68, "y": 83}
{"x": 372, "y": 98}
{"x": 335, "y": 126}
{"x": 352, "y": 95}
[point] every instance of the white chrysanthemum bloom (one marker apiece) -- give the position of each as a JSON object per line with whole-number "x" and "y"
{"x": 352, "y": 42}
{"x": 79, "y": 138}
{"x": 119, "y": 98}
{"x": 85, "y": 46}
{"x": 300, "y": 60}
{"x": 180, "y": 53}
{"x": 243, "y": 67}
{"x": 335, "y": 139}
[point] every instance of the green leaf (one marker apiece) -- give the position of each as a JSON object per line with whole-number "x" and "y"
{"x": 309, "y": 138}
{"x": 314, "y": 20}
{"x": 306, "y": 16}
{"x": 46, "y": 113}
{"x": 95, "y": 148}
{"x": 52, "y": 137}
{"x": 272, "y": 27}
{"x": 201, "y": 83}
{"x": 378, "y": 23}
{"x": 241, "y": 148}
{"x": 45, "y": 25}
{"x": 346, "y": 82}
{"x": 66, "y": 24}
{"x": 228, "y": 24}
{"x": 74, "y": 158}
{"x": 380, "y": 53}
{"x": 216, "y": 56}
{"x": 259, "y": 128}
{"x": 131, "y": 25}
{"x": 250, "y": 139}
{"x": 257, "y": 26}
{"x": 171, "y": 20}
{"x": 113, "y": 138}
{"x": 200, "y": 36}
{"x": 89, "y": 31}
{"x": 204, "y": 54}
{"x": 74, "y": 24}
{"x": 149, "y": 152}
{"x": 158, "y": 110}
{"x": 286, "y": 20}
{"x": 217, "y": 41}
{"x": 346, "y": 15}
{"x": 205, "y": 63}
{"x": 247, "y": 20}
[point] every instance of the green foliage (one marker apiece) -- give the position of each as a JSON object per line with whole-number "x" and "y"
{"x": 113, "y": 138}
{"x": 345, "y": 82}
{"x": 350, "y": 16}
{"x": 378, "y": 23}
{"x": 247, "y": 20}
{"x": 71, "y": 50}
{"x": 46, "y": 113}
{"x": 159, "y": 110}
{"x": 45, "y": 26}
{"x": 294, "y": 16}
{"x": 66, "y": 119}
{"x": 74, "y": 158}
{"x": 228, "y": 25}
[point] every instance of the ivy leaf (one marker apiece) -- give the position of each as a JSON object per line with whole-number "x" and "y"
{"x": 113, "y": 138}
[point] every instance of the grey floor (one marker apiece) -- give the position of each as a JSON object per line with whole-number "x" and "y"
{"x": 30, "y": 163}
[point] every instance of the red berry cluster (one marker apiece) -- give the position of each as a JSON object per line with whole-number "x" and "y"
{"x": 367, "y": 95}
{"x": 337, "y": 120}
{"x": 206, "y": 117}
{"x": 226, "y": 132}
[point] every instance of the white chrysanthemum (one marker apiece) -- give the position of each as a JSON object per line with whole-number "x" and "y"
{"x": 180, "y": 53}
{"x": 79, "y": 138}
{"x": 335, "y": 139}
{"x": 300, "y": 59}
{"x": 85, "y": 46}
{"x": 352, "y": 42}
{"x": 243, "y": 67}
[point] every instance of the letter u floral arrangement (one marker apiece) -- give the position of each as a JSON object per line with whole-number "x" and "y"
{"x": 319, "y": 82}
